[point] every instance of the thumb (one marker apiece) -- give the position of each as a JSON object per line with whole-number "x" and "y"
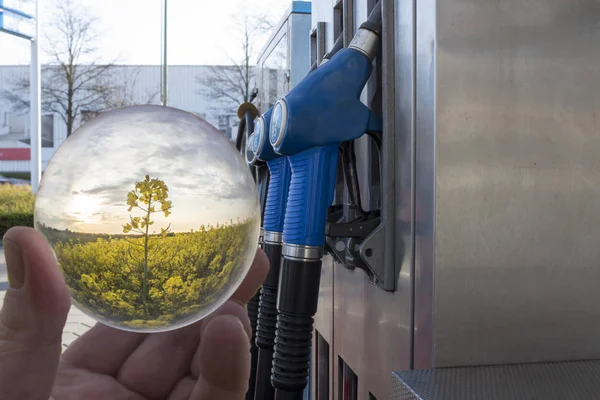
{"x": 32, "y": 317}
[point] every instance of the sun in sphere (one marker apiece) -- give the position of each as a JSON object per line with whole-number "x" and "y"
{"x": 153, "y": 216}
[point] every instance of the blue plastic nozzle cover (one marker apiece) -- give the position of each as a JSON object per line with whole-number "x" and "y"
{"x": 279, "y": 182}
{"x": 310, "y": 195}
{"x": 264, "y": 150}
{"x": 277, "y": 194}
{"x": 325, "y": 107}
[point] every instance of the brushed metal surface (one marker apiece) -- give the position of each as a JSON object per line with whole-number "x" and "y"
{"x": 322, "y": 13}
{"x": 373, "y": 328}
{"x": 324, "y": 320}
{"x": 272, "y": 237}
{"x": 424, "y": 14}
{"x": 547, "y": 381}
{"x": 516, "y": 179}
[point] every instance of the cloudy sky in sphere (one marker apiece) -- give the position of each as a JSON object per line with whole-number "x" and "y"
{"x": 85, "y": 186}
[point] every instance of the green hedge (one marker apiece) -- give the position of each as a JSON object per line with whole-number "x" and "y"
{"x": 18, "y": 175}
{"x": 16, "y": 207}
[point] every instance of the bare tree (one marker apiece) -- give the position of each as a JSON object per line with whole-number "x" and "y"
{"x": 234, "y": 83}
{"x": 126, "y": 92}
{"x": 69, "y": 87}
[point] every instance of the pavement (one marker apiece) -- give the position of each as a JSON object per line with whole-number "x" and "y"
{"x": 77, "y": 322}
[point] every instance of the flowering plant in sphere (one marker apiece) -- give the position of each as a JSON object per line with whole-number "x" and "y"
{"x": 153, "y": 217}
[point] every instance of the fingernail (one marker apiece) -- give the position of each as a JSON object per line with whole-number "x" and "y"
{"x": 15, "y": 265}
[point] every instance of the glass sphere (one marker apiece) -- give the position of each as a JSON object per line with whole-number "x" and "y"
{"x": 153, "y": 216}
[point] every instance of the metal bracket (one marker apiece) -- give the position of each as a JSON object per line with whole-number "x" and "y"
{"x": 353, "y": 243}
{"x": 335, "y": 214}
{"x": 360, "y": 228}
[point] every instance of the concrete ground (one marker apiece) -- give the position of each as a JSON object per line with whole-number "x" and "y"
{"x": 77, "y": 322}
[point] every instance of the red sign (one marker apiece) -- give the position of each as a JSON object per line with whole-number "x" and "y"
{"x": 22, "y": 154}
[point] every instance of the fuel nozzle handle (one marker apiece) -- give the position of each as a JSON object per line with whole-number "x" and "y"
{"x": 311, "y": 192}
{"x": 277, "y": 194}
{"x": 307, "y": 125}
{"x": 325, "y": 107}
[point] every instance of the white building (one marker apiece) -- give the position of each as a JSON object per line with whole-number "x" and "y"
{"x": 141, "y": 85}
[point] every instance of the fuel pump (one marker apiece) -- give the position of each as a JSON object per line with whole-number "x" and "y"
{"x": 308, "y": 125}
{"x": 259, "y": 149}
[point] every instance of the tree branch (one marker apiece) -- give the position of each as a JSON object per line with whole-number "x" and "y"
{"x": 233, "y": 83}
{"x": 68, "y": 86}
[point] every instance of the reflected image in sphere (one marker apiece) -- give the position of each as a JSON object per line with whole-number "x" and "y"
{"x": 153, "y": 217}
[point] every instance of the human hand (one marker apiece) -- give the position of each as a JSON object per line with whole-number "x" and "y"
{"x": 206, "y": 360}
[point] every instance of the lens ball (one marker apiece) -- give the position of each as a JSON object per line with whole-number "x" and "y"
{"x": 153, "y": 216}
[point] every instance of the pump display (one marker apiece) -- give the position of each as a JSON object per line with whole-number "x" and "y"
{"x": 153, "y": 217}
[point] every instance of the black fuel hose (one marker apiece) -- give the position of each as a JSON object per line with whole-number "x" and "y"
{"x": 246, "y": 120}
{"x": 374, "y": 22}
{"x": 267, "y": 323}
{"x": 281, "y": 395}
{"x": 351, "y": 176}
{"x": 297, "y": 304}
{"x": 337, "y": 46}
{"x": 253, "y": 315}
{"x": 239, "y": 140}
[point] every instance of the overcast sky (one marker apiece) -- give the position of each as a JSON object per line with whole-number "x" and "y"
{"x": 86, "y": 183}
{"x": 200, "y": 31}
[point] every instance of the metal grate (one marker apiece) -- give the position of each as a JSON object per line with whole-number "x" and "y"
{"x": 543, "y": 381}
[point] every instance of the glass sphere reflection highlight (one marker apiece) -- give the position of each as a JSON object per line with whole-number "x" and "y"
{"x": 153, "y": 217}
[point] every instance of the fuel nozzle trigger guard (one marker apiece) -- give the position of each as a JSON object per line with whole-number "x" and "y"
{"x": 353, "y": 236}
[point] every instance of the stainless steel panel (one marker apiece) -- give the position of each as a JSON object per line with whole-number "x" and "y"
{"x": 373, "y": 328}
{"x": 322, "y": 13}
{"x": 424, "y": 184}
{"x": 324, "y": 315}
{"x": 517, "y": 179}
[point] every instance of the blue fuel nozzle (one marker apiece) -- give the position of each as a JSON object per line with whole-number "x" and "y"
{"x": 325, "y": 107}
{"x": 308, "y": 124}
{"x": 259, "y": 149}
